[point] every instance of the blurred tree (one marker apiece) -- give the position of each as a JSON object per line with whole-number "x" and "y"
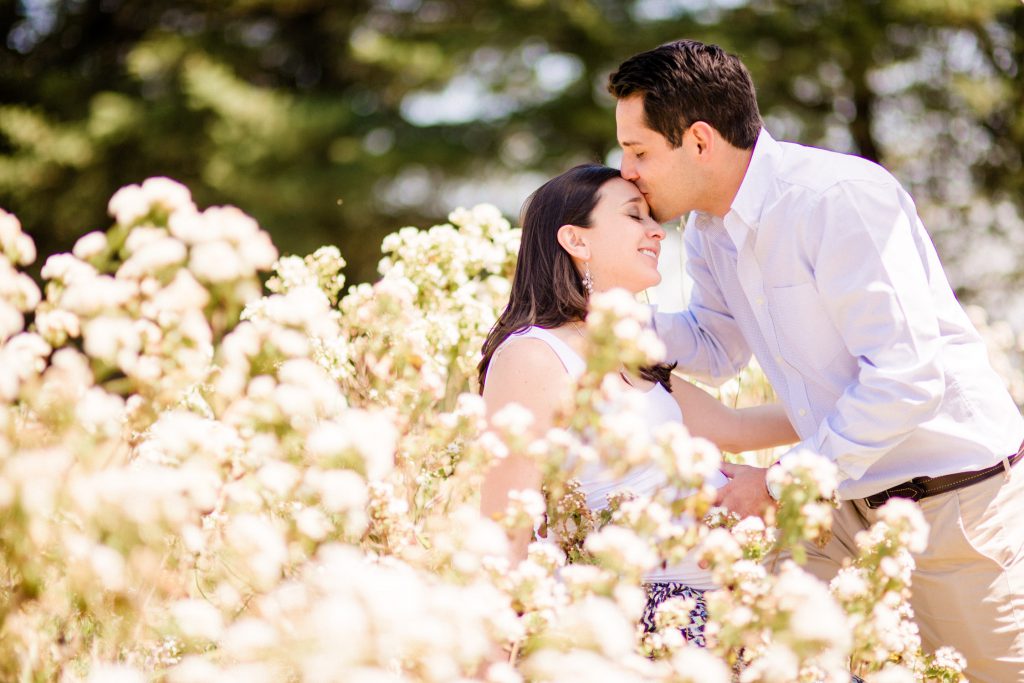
{"x": 338, "y": 122}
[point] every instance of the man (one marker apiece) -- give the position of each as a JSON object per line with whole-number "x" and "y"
{"x": 818, "y": 264}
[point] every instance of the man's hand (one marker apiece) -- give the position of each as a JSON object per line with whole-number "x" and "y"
{"x": 746, "y": 493}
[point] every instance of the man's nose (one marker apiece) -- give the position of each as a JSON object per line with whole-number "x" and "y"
{"x": 627, "y": 168}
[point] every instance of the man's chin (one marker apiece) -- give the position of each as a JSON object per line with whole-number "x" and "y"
{"x": 659, "y": 213}
{"x": 664, "y": 217}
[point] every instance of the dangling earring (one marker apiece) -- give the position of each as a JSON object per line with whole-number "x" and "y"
{"x": 588, "y": 279}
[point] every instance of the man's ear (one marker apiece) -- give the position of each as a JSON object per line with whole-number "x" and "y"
{"x": 571, "y": 239}
{"x": 703, "y": 136}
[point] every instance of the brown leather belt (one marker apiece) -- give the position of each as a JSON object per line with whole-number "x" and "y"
{"x": 923, "y": 487}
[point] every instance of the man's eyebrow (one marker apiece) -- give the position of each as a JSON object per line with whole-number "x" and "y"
{"x": 628, "y": 144}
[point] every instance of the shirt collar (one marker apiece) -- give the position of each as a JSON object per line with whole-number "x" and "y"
{"x": 749, "y": 201}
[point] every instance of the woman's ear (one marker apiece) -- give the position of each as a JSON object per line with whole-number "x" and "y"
{"x": 571, "y": 239}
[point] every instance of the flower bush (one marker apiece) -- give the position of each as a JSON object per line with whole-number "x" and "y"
{"x": 203, "y": 478}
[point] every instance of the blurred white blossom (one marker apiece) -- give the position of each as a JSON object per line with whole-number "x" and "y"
{"x": 202, "y": 480}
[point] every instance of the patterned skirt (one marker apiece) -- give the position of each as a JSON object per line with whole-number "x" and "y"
{"x": 658, "y": 593}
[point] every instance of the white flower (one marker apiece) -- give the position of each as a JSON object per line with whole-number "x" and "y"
{"x": 56, "y": 325}
{"x": 315, "y": 381}
{"x": 67, "y": 268}
{"x": 278, "y": 477}
{"x": 100, "y": 412}
{"x": 89, "y": 295}
{"x": 906, "y": 518}
{"x": 115, "y": 673}
{"x": 805, "y": 464}
{"x": 530, "y": 501}
{"x": 778, "y": 664}
{"x": 247, "y": 637}
{"x": 198, "y": 619}
{"x": 258, "y": 251}
{"x": 167, "y": 194}
{"x": 217, "y": 262}
{"x": 142, "y": 236}
{"x": 370, "y": 435}
{"x": 89, "y": 245}
{"x": 597, "y": 623}
{"x": 17, "y": 289}
{"x": 697, "y": 665}
{"x": 621, "y": 549}
{"x": 258, "y": 543}
{"x": 502, "y": 672}
{"x": 849, "y": 584}
{"x": 340, "y": 490}
{"x": 179, "y": 435}
{"x": 892, "y": 674}
{"x": 152, "y": 257}
{"x": 128, "y": 205}
{"x": 948, "y": 658}
{"x": 312, "y": 523}
{"x": 815, "y": 615}
{"x": 108, "y": 566}
{"x": 749, "y": 530}
{"x": 15, "y": 244}
{"x": 190, "y": 227}
{"x": 720, "y": 548}
{"x": 513, "y": 418}
{"x": 20, "y": 358}
{"x": 195, "y": 669}
{"x": 105, "y": 337}
{"x": 11, "y": 321}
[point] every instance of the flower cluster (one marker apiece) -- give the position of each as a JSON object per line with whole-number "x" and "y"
{"x": 875, "y": 594}
{"x": 807, "y": 485}
{"x": 202, "y": 479}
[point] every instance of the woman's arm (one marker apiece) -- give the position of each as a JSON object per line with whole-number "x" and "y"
{"x": 529, "y": 373}
{"x": 732, "y": 429}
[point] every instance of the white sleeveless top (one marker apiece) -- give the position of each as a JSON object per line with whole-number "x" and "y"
{"x": 659, "y": 408}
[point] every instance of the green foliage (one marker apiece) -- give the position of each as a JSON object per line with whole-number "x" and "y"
{"x": 331, "y": 121}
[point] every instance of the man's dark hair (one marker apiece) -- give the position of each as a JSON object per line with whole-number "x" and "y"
{"x": 687, "y": 81}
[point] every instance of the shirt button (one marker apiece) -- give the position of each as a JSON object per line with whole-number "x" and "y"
{"x": 760, "y": 301}
{"x": 801, "y": 412}
{"x": 778, "y": 358}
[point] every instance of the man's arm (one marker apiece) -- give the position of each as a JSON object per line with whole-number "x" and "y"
{"x": 704, "y": 339}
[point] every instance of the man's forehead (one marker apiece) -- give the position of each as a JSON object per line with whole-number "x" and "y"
{"x": 630, "y": 122}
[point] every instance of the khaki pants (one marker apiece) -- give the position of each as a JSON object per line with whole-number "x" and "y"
{"x": 968, "y": 588}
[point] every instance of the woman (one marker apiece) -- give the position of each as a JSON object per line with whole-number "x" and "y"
{"x": 585, "y": 231}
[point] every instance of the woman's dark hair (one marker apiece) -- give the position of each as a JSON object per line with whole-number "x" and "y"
{"x": 687, "y": 81}
{"x": 547, "y": 290}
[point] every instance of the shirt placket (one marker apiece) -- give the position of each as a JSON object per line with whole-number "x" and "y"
{"x": 786, "y": 380}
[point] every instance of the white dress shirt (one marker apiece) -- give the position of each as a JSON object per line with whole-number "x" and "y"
{"x": 823, "y": 270}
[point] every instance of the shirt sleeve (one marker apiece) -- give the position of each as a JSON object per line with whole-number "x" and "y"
{"x": 872, "y": 274}
{"x": 704, "y": 339}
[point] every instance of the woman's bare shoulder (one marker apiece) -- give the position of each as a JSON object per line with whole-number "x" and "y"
{"x": 524, "y": 356}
